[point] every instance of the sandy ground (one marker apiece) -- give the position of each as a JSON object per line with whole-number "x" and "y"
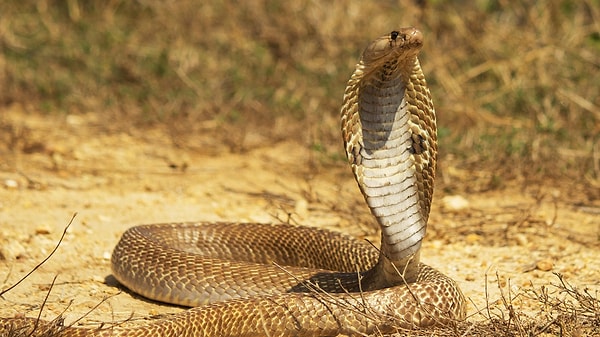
{"x": 54, "y": 167}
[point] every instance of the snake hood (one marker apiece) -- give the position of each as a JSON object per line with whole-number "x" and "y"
{"x": 390, "y": 137}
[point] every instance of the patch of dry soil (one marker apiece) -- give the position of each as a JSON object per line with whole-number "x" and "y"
{"x": 54, "y": 167}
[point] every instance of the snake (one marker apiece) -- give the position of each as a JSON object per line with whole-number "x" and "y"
{"x": 253, "y": 279}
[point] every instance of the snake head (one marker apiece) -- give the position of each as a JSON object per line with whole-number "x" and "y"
{"x": 404, "y": 43}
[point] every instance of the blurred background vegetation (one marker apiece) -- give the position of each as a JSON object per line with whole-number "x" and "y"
{"x": 516, "y": 83}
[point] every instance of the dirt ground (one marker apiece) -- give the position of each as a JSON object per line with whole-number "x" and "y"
{"x": 512, "y": 238}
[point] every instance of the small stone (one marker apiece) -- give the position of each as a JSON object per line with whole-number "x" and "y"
{"x": 473, "y": 238}
{"x": 42, "y": 230}
{"x": 455, "y": 203}
{"x": 106, "y": 255}
{"x": 544, "y": 265}
{"x": 11, "y": 184}
{"x": 529, "y": 267}
{"x": 525, "y": 283}
{"x": 93, "y": 291}
{"x": 75, "y": 120}
{"x": 436, "y": 244}
{"x": 301, "y": 208}
{"x": 98, "y": 279}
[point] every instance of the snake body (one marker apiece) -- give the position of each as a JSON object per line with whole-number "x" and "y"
{"x": 283, "y": 280}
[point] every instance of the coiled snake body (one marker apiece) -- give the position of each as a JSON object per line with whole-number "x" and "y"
{"x": 267, "y": 280}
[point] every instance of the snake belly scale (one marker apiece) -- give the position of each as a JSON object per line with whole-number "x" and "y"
{"x": 282, "y": 280}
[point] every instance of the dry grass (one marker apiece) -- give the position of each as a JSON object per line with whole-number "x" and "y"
{"x": 515, "y": 81}
{"x": 564, "y": 311}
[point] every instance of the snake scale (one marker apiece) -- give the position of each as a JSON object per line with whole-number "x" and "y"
{"x": 284, "y": 280}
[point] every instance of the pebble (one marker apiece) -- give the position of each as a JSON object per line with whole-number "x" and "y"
{"x": 98, "y": 279}
{"x": 436, "y": 244}
{"x": 75, "y": 120}
{"x": 544, "y": 265}
{"x": 93, "y": 290}
{"x": 11, "y": 184}
{"x": 106, "y": 255}
{"x": 301, "y": 208}
{"x": 529, "y": 267}
{"x": 455, "y": 203}
{"x": 472, "y": 238}
{"x": 42, "y": 230}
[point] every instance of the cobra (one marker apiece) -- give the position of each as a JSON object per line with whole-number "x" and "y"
{"x": 249, "y": 279}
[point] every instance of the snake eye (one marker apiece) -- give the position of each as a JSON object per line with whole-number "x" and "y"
{"x": 394, "y": 35}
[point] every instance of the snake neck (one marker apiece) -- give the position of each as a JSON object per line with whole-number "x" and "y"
{"x": 388, "y": 125}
